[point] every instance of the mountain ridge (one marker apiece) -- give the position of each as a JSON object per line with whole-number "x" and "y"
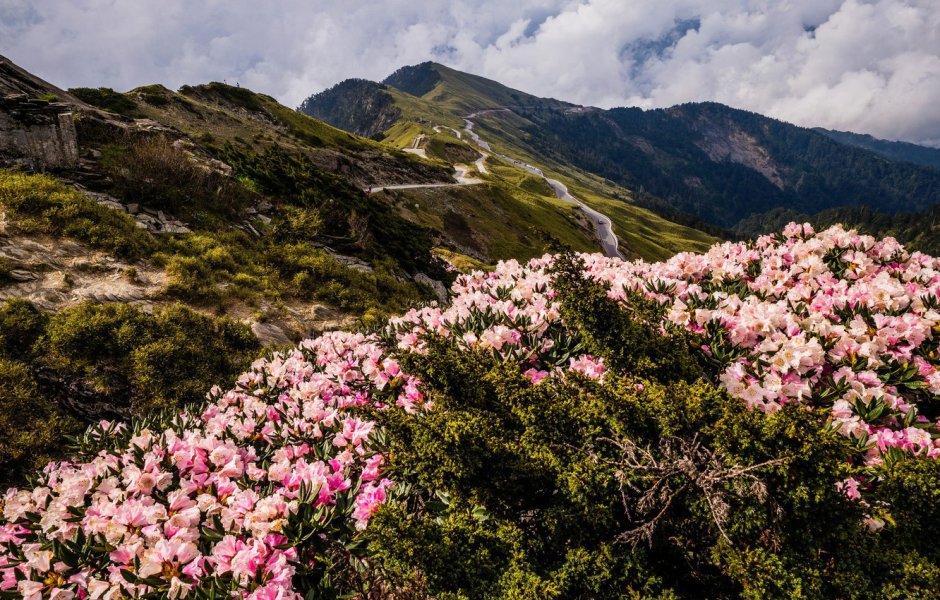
{"x": 897, "y": 150}
{"x": 708, "y": 160}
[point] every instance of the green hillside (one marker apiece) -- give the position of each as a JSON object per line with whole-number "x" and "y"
{"x": 431, "y": 94}
{"x": 903, "y": 151}
{"x": 193, "y": 229}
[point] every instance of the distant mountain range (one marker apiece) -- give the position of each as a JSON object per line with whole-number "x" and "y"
{"x": 903, "y": 151}
{"x": 703, "y": 160}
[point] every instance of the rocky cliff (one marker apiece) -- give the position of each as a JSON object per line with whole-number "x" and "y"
{"x": 37, "y": 133}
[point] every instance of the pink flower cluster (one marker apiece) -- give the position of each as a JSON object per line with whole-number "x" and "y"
{"x": 834, "y": 319}
{"x": 510, "y": 312}
{"x": 225, "y": 498}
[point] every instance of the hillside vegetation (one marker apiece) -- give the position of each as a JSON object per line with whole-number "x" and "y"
{"x": 61, "y": 371}
{"x": 220, "y": 198}
{"x": 723, "y": 164}
{"x": 905, "y": 151}
{"x": 760, "y": 421}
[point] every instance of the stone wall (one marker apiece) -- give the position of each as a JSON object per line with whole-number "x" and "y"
{"x": 37, "y": 134}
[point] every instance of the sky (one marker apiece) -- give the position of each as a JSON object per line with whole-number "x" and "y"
{"x": 867, "y": 66}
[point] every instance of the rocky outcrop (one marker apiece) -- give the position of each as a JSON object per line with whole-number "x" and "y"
{"x": 55, "y": 273}
{"x": 37, "y": 133}
{"x": 154, "y": 221}
{"x": 362, "y": 107}
{"x": 726, "y": 141}
{"x": 37, "y": 130}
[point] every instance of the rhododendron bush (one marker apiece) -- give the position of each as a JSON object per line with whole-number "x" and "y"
{"x": 835, "y": 319}
{"x": 531, "y": 438}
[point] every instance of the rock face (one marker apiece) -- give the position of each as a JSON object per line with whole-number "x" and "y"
{"x": 37, "y": 130}
{"x": 362, "y": 107}
{"x": 37, "y": 133}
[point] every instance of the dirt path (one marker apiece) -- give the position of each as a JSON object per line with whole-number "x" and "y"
{"x": 440, "y": 128}
{"x": 461, "y": 172}
{"x": 417, "y": 146}
{"x": 461, "y": 177}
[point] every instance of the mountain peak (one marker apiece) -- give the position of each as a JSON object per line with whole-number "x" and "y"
{"x": 416, "y": 80}
{"x": 462, "y": 92}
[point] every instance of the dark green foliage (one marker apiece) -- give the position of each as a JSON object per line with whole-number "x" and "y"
{"x": 312, "y": 273}
{"x": 193, "y": 279}
{"x": 6, "y": 271}
{"x": 912, "y": 489}
{"x": 155, "y": 99}
{"x": 356, "y": 105}
{"x": 655, "y": 486}
{"x": 21, "y": 324}
{"x": 91, "y": 361}
{"x": 106, "y": 99}
{"x": 33, "y": 425}
{"x": 518, "y": 492}
{"x": 917, "y": 231}
{"x": 142, "y": 361}
{"x": 237, "y": 96}
{"x": 688, "y": 166}
{"x": 629, "y": 339}
{"x": 416, "y": 80}
{"x": 905, "y": 151}
{"x": 40, "y": 204}
{"x": 454, "y": 152}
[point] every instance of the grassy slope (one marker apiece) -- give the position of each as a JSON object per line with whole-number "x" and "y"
{"x": 497, "y": 220}
{"x": 219, "y": 268}
{"x": 459, "y": 93}
{"x": 641, "y": 231}
{"x": 216, "y": 113}
{"x": 284, "y": 278}
{"x": 512, "y": 216}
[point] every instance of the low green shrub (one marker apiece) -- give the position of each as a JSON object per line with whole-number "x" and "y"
{"x": 648, "y": 484}
{"x": 40, "y": 204}
{"x": 33, "y": 424}
{"x": 21, "y": 324}
{"x": 131, "y": 361}
{"x": 145, "y": 361}
{"x": 106, "y": 99}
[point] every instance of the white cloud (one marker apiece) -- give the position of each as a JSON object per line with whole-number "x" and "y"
{"x": 871, "y": 66}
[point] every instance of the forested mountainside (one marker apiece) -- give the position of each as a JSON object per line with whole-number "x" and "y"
{"x": 917, "y": 231}
{"x": 724, "y": 164}
{"x": 357, "y": 105}
{"x": 904, "y": 151}
{"x": 433, "y": 123}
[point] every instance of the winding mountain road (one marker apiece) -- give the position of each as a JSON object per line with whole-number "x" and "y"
{"x": 602, "y": 222}
{"x": 461, "y": 177}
